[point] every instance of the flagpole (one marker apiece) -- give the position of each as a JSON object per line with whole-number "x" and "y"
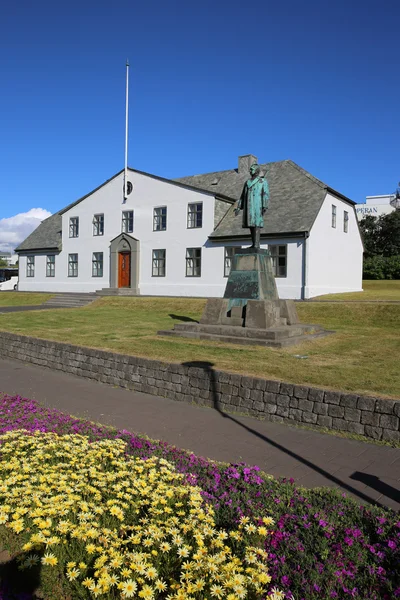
{"x": 126, "y": 130}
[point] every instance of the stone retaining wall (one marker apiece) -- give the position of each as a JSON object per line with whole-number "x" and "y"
{"x": 199, "y": 383}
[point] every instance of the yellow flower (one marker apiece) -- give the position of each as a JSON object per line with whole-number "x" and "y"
{"x": 72, "y": 574}
{"x": 49, "y": 559}
{"x": 128, "y": 588}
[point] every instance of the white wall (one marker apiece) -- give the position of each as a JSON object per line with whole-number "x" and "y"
{"x": 334, "y": 258}
{"x": 149, "y": 193}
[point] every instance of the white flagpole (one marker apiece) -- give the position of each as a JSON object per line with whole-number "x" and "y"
{"x": 126, "y": 130}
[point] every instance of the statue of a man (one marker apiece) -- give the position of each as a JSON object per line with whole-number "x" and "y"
{"x": 254, "y": 203}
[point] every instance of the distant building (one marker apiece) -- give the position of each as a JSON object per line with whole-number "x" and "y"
{"x": 376, "y": 206}
{"x": 8, "y": 257}
{"x": 177, "y": 237}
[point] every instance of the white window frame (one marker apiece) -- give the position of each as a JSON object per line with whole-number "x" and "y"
{"x": 74, "y": 227}
{"x": 98, "y": 224}
{"x": 195, "y": 209}
{"x": 97, "y": 264}
{"x": 193, "y": 262}
{"x": 160, "y": 219}
{"x": 334, "y": 212}
{"x": 127, "y": 221}
{"x": 30, "y": 266}
{"x": 73, "y": 265}
{"x": 159, "y": 262}
{"x": 229, "y": 253}
{"x": 279, "y": 259}
{"x": 345, "y": 221}
{"x": 51, "y": 265}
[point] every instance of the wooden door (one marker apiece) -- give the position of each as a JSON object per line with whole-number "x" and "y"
{"x": 124, "y": 269}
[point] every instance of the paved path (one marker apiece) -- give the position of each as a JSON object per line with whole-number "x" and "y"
{"x": 367, "y": 471}
{"x": 11, "y": 309}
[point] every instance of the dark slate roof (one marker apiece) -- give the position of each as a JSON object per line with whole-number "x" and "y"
{"x": 47, "y": 236}
{"x": 296, "y": 196}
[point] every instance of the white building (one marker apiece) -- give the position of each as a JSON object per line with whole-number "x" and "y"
{"x": 9, "y": 257}
{"x": 376, "y": 206}
{"x": 176, "y": 237}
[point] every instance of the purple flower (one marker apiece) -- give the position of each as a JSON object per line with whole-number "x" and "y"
{"x": 323, "y": 523}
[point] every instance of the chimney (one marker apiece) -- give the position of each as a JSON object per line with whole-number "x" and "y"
{"x": 245, "y": 163}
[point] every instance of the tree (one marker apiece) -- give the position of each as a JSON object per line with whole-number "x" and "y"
{"x": 381, "y": 235}
{"x": 369, "y": 227}
{"x": 3, "y": 263}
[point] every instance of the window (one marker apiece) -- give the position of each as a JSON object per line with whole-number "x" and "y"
{"x": 345, "y": 221}
{"x": 160, "y": 218}
{"x": 333, "y": 216}
{"x": 30, "y": 266}
{"x": 97, "y": 264}
{"x": 50, "y": 265}
{"x": 98, "y": 225}
{"x": 195, "y": 215}
{"x": 72, "y": 265}
{"x": 279, "y": 259}
{"x": 158, "y": 263}
{"x": 193, "y": 262}
{"x": 127, "y": 221}
{"x": 228, "y": 256}
{"x": 74, "y": 227}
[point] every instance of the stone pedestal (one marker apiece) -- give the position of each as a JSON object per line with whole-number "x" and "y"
{"x": 250, "y": 311}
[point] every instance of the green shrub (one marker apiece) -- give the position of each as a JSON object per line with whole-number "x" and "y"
{"x": 382, "y": 267}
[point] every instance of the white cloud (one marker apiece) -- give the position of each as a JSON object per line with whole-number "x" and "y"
{"x": 14, "y": 230}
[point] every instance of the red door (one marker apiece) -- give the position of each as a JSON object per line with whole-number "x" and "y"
{"x": 124, "y": 270}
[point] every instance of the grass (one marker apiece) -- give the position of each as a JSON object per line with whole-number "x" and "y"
{"x": 22, "y": 298}
{"x": 362, "y": 356}
{"x": 388, "y": 290}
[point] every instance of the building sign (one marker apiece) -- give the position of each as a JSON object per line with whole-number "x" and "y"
{"x": 375, "y": 206}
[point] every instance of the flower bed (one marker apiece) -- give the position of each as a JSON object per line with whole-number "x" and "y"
{"x": 324, "y": 544}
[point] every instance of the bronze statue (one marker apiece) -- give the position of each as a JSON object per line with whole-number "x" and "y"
{"x": 254, "y": 203}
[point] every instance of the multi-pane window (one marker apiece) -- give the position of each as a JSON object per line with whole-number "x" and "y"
{"x": 333, "y": 216}
{"x": 345, "y": 221}
{"x": 72, "y": 265}
{"x": 97, "y": 264}
{"x": 160, "y": 218}
{"x": 30, "y": 266}
{"x": 279, "y": 259}
{"x": 98, "y": 225}
{"x": 127, "y": 221}
{"x": 195, "y": 215}
{"x": 193, "y": 262}
{"x": 158, "y": 263}
{"x": 74, "y": 227}
{"x": 50, "y": 265}
{"x": 228, "y": 256}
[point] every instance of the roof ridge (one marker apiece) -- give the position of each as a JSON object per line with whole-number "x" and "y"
{"x": 315, "y": 180}
{"x": 202, "y": 174}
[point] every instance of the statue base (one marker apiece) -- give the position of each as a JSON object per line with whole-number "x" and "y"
{"x": 271, "y": 323}
{"x": 250, "y": 311}
{"x": 251, "y": 278}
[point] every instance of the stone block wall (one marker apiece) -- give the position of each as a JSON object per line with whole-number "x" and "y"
{"x": 199, "y": 383}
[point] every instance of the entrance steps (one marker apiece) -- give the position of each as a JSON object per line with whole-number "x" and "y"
{"x": 69, "y": 300}
{"x": 117, "y": 292}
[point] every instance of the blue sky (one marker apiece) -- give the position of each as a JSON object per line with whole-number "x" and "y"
{"x": 314, "y": 81}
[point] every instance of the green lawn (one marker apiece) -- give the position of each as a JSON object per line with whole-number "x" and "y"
{"x": 373, "y": 291}
{"x": 22, "y": 298}
{"x": 362, "y": 355}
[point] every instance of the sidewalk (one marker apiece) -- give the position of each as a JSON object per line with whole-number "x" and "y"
{"x": 366, "y": 471}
